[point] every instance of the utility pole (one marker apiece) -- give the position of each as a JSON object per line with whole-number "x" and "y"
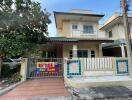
{"x": 127, "y": 34}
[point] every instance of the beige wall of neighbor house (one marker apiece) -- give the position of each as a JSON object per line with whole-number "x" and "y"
{"x": 115, "y": 24}
{"x": 118, "y": 31}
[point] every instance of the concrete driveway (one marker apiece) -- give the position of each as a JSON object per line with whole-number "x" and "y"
{"x": 38, "y": 88}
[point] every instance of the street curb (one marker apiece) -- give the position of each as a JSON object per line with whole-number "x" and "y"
{"x": 2, "y": 92}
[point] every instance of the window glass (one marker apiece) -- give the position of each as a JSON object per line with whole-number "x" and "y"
{"x": 110, "y": 34}
{"x": 82, "y": 53}
{"x": 74, "y": 26}
{"x": 50, "y": 54}
{"x": 79, "y": 53}
{"x": 92, "y": 53}
{"x": 70, "y": 54}
{"x": 85, "y": 53}
{"x": 88, "y": 29}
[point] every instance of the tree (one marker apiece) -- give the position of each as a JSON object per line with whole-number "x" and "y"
{"x": 23, "y": 26}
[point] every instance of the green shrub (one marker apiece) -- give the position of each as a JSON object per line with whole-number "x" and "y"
{"x": 16, "y": 77}
{"x": 6, "y": 71}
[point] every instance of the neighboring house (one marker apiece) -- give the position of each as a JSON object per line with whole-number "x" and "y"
{"x": 78, "y": 35}
{"x": 114, "y": 29}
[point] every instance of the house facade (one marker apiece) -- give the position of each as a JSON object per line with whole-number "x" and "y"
{"x": 77, "y": 36}
{"x": 114, "y": 29}
{"x": 78, "y": 50}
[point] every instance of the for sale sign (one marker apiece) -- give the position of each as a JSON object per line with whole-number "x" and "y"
{"x": 47, "y": 67}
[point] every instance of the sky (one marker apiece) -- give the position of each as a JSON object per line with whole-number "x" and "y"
{"x": 107, "y": 7}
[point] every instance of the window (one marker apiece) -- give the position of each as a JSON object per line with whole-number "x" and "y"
{"x": 110, "y": 34}
{"x": 44, "y": 55}
{"x": 88, "y": 29}
{"x": 70, "y": 54}
{"x": 92, "y": 53}
{"x": 83, "y": 53}
{"x": 74, "y": 26}
{"x": 49, "y": 54}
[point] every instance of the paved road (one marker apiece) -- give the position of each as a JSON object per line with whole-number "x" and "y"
{"x": 103, "y": 93}
{"x": 42, "y": 88}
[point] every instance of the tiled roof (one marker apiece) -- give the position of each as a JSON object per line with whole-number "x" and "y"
{"x": 65, "y": 39}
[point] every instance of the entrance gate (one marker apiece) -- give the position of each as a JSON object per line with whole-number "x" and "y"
{"x": 44, "y": 67}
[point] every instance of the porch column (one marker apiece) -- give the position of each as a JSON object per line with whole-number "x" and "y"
{"x": 74, "y": 50}
{"x": 100, "y": 50}
{"x": 122, "y": 50}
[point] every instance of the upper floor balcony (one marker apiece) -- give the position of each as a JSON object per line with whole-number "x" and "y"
{"x": 87, "y": 34}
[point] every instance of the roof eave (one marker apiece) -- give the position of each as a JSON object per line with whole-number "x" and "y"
{"x": 104, "y": 27}
{"x": 69, "y": 13}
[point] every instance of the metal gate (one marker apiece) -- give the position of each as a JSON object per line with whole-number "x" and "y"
{"x": 44, "y": 67}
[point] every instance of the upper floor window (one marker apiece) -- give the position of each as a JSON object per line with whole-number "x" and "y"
{"x": 74, "y": 26}
{"x": 110, "y": 34}
{"x": 88, "y": 29}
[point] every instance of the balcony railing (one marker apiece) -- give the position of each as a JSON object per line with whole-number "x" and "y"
{"x": 81, "y": 33}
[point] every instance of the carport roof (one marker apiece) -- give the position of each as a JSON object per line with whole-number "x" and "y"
{"x": 66, "y": 39}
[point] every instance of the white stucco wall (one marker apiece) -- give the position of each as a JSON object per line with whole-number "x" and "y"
{"x": 118, "y": 31}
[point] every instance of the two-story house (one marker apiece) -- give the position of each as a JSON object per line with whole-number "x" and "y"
{"x": 77, "y": 35}
{"x": 114, "y": 29}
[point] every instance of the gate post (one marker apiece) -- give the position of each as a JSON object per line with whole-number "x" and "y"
{"x": 65, "y": 67}
{"x": 23, "y": 70}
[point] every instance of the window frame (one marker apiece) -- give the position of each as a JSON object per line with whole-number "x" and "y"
{"x": 110, "y": 34}
{"x": 74, "y": 25}
{"x": 88, "y": 31}
{"x": 92, "y": 54}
